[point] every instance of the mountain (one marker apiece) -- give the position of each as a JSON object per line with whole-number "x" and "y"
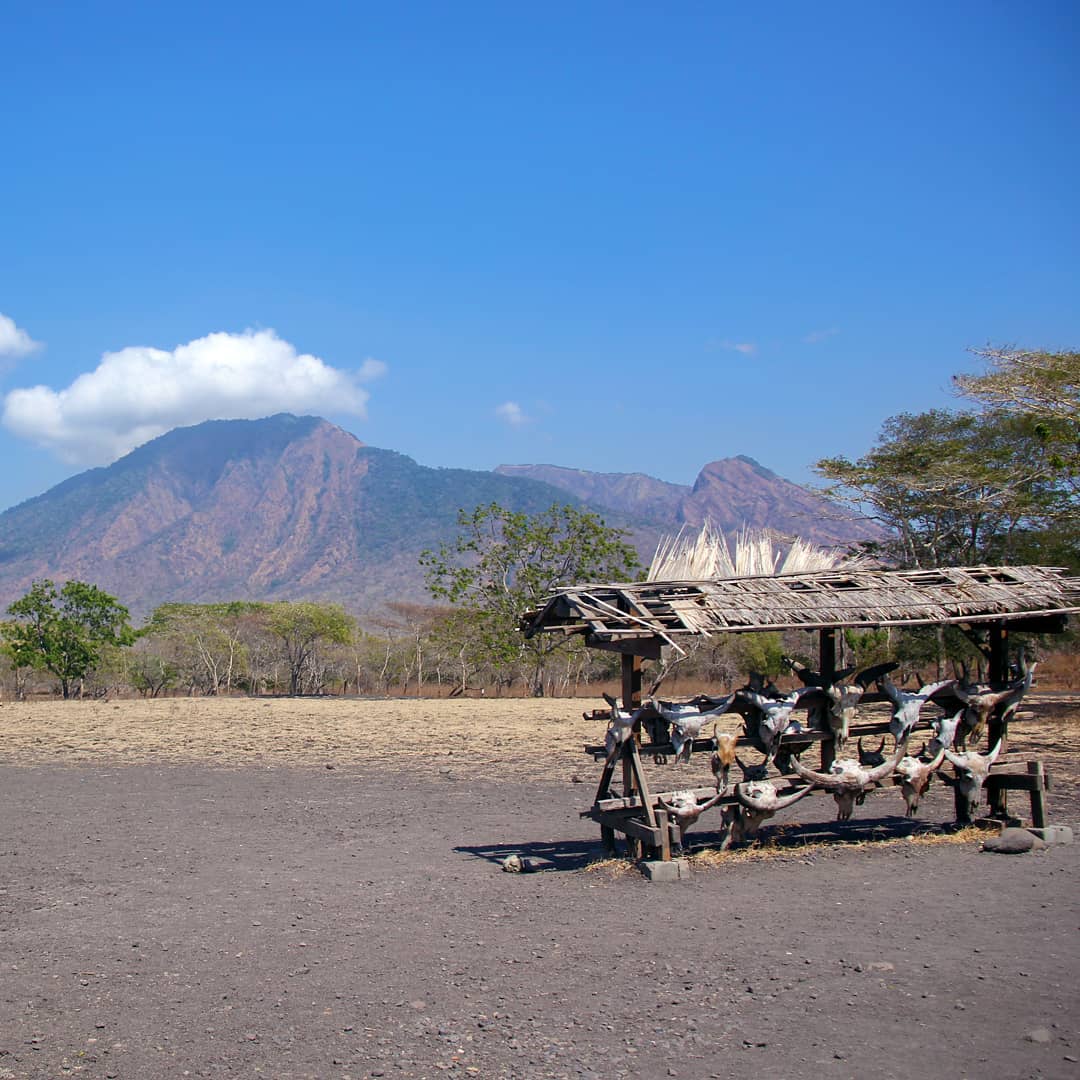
{"x": 733, "y": 492}
{"x": 277, "y": 509}
{"x": 291, "y": 508}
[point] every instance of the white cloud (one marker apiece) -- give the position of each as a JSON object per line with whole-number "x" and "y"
{"x": 816, "y": 336}
{"x": 510, "y": 412}
{"x": 747, "y": 348}
{"x": 140, "y": 392}
{"x": 15, "y": 341}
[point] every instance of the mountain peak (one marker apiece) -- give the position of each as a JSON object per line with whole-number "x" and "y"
{"x": 293, "y": 507}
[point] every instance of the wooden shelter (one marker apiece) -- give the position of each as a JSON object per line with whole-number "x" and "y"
{"x": 640, "y": 619}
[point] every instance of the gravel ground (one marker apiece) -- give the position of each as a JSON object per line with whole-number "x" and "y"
{"x": 240, "y": 914}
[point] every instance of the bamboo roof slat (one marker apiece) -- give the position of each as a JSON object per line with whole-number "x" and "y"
{"x": 813, "y": 600}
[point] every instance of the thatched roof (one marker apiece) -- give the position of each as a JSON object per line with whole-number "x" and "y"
{"x": 607, "y": 614}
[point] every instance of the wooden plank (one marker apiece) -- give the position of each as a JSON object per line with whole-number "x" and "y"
{"x": 630, "y": 827}
{"x": 605, "y": 776}
{"x": 784, "y": 786}
{"x": 1017, "y": 781}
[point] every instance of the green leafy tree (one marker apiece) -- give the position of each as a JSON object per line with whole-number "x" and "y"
{"x": 1043, "y": 385}
{"x": 955, "y": 487}
{"x": 302, "y": 629}
{"x": 207, "y": 645}
{"x": 761, "y": 652}
{"x": 1043, "y": 388}
{"x": 504, "y": 562}
{"x": 64, "y": 631}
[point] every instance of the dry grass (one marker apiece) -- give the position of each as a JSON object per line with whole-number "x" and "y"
{"x": 518, "y": 739}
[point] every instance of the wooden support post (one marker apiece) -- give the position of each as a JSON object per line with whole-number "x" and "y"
{"x": 828, "y": 658}
{"x": 663, "y": 822}
{"x": 997, "y": 801}
{"x": 998, "y": 729}
{"x": 999, "y": 653}
{"x": 828, "y": 665}
{"x": 631, "y": 682}
{"x": 960, "y": 806}
{"x": 1038, "y": 795}
{"x": 603, "y": 789}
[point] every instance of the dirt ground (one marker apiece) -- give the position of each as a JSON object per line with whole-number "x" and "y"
{"x": 297, "y": 888}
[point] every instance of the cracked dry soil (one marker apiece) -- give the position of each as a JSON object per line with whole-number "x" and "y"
{"x": 232, "y": 914}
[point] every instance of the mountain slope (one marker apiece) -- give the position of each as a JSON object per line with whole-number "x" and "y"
{"x": 291, "y": 508}
{"x": 733, "y": 493}
{"x": 282, "y": 508}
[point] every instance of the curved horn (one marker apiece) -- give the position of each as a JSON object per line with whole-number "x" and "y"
{"x": 825, "y": 780}
{"x": 885, "y": 685}
{"x": 760, "y": 807}
{"x": 874, "y": 775}
{"x": 992, "y": 756}
{"x": 935, "y": 763}
{"x": 954, "y": 760}
{"x": 881, "y": 748}
{"x": 787, "y": 800}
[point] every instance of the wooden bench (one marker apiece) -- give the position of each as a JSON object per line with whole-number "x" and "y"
{"x": 1029, "y": 776}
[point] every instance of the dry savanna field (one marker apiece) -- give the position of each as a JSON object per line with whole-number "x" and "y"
{"x": 513, "y": 739}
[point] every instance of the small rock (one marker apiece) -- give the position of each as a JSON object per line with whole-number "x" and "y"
{"x": 512, "y": 864}
{"x": 1038, "y": 1035}
{"x": 1013, "y": 841}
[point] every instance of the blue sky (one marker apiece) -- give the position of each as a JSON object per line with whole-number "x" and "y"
{"x": 622, "y": 237}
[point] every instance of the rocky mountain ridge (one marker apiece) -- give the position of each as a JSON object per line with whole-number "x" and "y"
{"x": 289, "y": 508}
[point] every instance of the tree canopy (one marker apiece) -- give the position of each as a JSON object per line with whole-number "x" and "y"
{"x": 503, "y": 562}
{"x": 302, "y": 627}
{"x": 64, "y": 631}
{"x": 997, "y": 484}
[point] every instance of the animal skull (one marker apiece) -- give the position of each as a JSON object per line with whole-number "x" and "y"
{"x": 768, "y": 718}
{"x": 914, "y": 776}
{"x": 907, "y": 705}
{"x": 723, "y": 758}
{"x": 945, "y": 729}
{"x": 757, "y": 802}
{"x": 981, "y": 702}
{"x": 972, "y": 769}
{"x": 848, "y": 780}
{"x": 835, "y": 705}
{"x": 685, "y": 809}
{"x": 686, "y": 722}
{"x": 872, "y": 757}
{"x": 620, "y": 727}
{"x": 752, "y": 773}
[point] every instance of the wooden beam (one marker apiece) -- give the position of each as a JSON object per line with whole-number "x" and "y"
{"x": 829, "y": 659}
{"x": 1045, "y": 624}
{"x": 631, "y": 681}
{"x": 647, "y": 647}
{"x": 999, "y": 653}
